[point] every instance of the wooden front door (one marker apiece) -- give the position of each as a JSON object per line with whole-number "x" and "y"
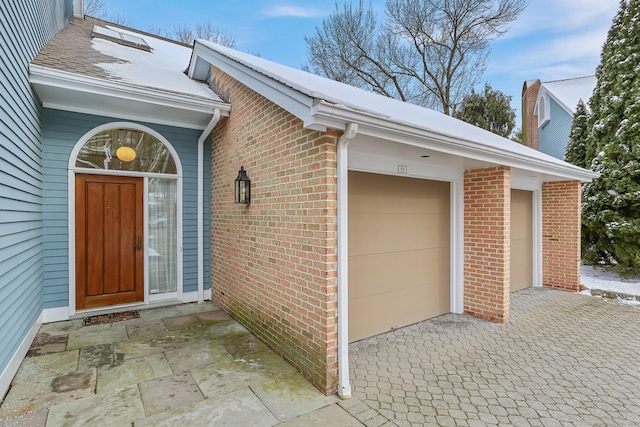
{"x": 109, "y": 240}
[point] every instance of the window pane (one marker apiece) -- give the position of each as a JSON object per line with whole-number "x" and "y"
{"x": 126, "y": 150}
{"x": 163, "y": 236}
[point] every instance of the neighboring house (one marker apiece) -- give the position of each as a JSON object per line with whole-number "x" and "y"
{"x": 548, "y": 109}
{"x": 366, "y": 214}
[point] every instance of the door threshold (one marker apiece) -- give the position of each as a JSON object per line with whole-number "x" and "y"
{"x": 123, "y": 307}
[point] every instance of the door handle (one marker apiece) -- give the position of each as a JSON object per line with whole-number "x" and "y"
{"x": 138, "y": 246}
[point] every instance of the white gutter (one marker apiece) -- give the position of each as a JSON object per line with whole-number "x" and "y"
{"x": 382, "y": 127}
{"x": 344, "y": 386}
{"x": 49, "y": 77}
{"x": 317, "y": 110}
{"x": 214, "y": 120}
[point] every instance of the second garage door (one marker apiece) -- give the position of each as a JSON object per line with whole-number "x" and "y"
{"x": 398, "y": 252}
{"x": 521, "y": 239}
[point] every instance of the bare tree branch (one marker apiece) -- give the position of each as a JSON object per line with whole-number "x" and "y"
{"x": 183, "y": 34}
{"x": 345, "y": 48}
{"x": 98, "y": 9}
{"x": 428, "y": 52}
{"x": 119, "y": 19}
{"x": 95, "y": 8}
{"x": 205, "y": 31}
{"x": 159, "y": 31}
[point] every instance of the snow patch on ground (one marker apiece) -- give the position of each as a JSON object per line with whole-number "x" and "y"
{"x": 630, "y": 302}
{"x": 604, "y": 279}
{"x": 602, "y": 282}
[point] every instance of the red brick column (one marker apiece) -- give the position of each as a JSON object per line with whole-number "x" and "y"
{"x": 561, "y": 235}
{"x": 487, "y": 230}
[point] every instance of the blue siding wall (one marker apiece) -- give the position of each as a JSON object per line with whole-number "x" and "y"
{"x": 553, "y": 137}
{"x": 62, "y": 130}
{"x": 25, "y": 27}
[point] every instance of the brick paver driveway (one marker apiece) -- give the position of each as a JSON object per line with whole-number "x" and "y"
{"x": 563, "y": 359}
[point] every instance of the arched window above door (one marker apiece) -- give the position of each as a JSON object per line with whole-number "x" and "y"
{"x": 125, "y": 149}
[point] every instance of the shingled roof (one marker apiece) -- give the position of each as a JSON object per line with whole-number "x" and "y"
{"x": 74, "y": 50}
{"x": 110, "y": 75}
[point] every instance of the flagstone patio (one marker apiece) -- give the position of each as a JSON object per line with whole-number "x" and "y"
{"x": 188, "y": 364}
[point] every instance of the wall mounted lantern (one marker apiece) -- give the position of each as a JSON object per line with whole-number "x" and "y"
{"x": 243, "y": 187}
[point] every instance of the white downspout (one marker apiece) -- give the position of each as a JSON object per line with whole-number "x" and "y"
{"x": 344, "y": 386}
{"x": 214, "y": 120}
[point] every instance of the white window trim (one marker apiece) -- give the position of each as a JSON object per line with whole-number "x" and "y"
{"x": 544, "y": 113}
{"x": 73, "y": 170}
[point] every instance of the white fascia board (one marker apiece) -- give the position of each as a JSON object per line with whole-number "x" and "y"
{"x": 44, "y": 76}
{"x": 127, "y": 116}
{"x": 381, "y": 127}
{"x": 320, "y": 115}
{"x": 286, "y": 97}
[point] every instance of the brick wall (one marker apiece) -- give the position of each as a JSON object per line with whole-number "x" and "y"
{"x": 487, "y": 206}
{"x": 274, "y": 262}
{"x": 529, "y": 119}
{"x": 561, "y": 235}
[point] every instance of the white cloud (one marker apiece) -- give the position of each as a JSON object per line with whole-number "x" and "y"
{"x": 560, "y": 39}
{"x": 572, "y": 55}
{"x": 292, "y": 12}
{"x": 577, "y": 46}
{"x": 562, "y": 16}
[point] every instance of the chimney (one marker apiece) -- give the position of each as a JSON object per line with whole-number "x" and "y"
{"x": 530, "y": 90}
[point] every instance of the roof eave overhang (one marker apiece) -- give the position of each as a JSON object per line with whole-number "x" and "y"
{"x": 73, "y": 92}
{"x": 337, "y": 117}
{"x": 291, "y": 100}
{"x": 320, "y": 115}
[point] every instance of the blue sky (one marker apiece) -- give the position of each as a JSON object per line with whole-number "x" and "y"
{"x": 552, "y": 39}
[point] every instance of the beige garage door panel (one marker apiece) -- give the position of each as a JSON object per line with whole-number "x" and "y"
{"x": 523, "y": 250}
{"x": 382, "y": 232}
{"x": 392, "y": 310}
{"x": 521, "y": 239}
{"x": 398, "y": 252}
{"x": 521, "y": 276}
{"x": 521, "y": 202}
{"x": 383, "y": 273}
{"x": 375, "y": 193}
{"x": 520, "y": 227}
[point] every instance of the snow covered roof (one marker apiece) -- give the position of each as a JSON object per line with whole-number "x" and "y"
{"x": 334, "y": 104}
{"x": 77, "y": 71}
{"x": 569, "y": 91}
{"x": 162, "y": 68}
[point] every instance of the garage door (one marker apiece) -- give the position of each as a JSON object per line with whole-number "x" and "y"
{"x": 521, "y": 239}
{"x": 398, "y": 252}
